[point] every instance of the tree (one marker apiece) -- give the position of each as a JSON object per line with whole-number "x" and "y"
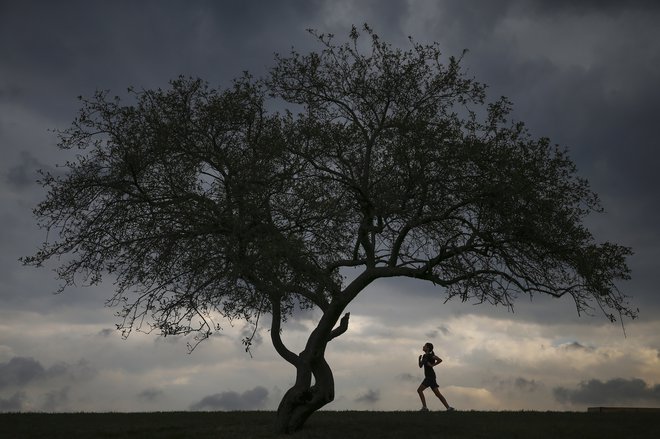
{"x": 204, "y": 205}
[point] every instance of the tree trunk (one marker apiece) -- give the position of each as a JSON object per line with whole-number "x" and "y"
{"x": 303, "y": 399}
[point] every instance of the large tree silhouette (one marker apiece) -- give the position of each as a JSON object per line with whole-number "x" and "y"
{"x": 203, "y": 205}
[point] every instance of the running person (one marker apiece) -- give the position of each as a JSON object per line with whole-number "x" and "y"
{"x": 428, "y": 361}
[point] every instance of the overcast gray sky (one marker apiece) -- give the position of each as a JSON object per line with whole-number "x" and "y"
{"x": 586, "y": 74}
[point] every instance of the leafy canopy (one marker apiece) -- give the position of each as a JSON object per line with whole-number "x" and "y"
{"x": 204, "y": 204}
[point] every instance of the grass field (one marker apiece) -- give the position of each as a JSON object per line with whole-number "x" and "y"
{"x": 328, "y": 424}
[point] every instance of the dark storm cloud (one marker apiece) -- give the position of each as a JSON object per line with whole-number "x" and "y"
{"x": 248, "y": 400}
{"x": 15, "y": 403}
{"x": 369, "y": 397}
{"x": 10, "y": 93}
{"x": 180, "y": 38}
{"x": 602, "y": 104}
{"x": 586, "y": 6}
{"x": 66, "y": 52}
{"x": 615, "y": 391}
{"x": 575, "y": 346}
{"x": 82, "y": 370}
{"x": 24, "y": 174}
{"x": 444, "y": 330}
{"x": 519, "y": 385}
{"x": 407, "y": 377}
{"x": 20, "y": 371}
{"x": 56, "y": 399}
{"x": 82, "y": 50}
{"x": 605, "y": 115}
{"x": 106, "y": 332}
{"x": 436, "y": 332}
{"x": 150, "y": 394}
{"x": 526, "y": 385}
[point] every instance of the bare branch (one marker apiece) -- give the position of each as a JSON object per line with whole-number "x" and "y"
{"x": 343, "y": 326}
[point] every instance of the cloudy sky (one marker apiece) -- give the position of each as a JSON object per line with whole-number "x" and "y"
{"x": 586, "y": 76}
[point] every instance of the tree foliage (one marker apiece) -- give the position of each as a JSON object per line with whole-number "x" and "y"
{"x": 202, "y": 204}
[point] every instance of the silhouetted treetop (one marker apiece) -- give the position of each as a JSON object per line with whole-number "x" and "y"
{"x": 203, "y": 204}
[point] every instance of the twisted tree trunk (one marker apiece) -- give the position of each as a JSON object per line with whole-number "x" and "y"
{"x": 303, "y": 399}
{"x": 315, "y": 384}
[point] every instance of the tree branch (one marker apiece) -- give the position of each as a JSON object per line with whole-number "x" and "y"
{"x": 275, "y": 333}
{"x": 343, "y": 326}
{"x": 344, "y": 263}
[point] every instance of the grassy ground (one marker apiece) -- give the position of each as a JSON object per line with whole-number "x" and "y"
{"x": 326, "y": 425}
